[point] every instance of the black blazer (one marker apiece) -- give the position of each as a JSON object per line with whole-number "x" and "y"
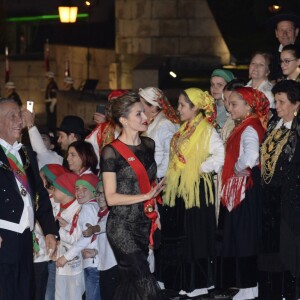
{"x": 11, "y": 204}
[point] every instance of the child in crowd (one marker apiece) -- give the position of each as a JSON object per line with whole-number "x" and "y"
{"x": 107, "y": 263}
{"x": 44, "y": 267}
{"x": 69, "y": 277}
{"x": 85, "y": 194}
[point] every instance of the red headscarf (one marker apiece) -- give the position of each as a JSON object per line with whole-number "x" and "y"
{"x": 116, "y": 94}
{"x": 258, "y": 101}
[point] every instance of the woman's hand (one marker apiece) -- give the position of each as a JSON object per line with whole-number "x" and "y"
{"x": 156, "y": 190}
{"x": 99, "y": 118}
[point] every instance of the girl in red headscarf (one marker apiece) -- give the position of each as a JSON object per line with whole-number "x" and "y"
{"x": 240, "y": 195}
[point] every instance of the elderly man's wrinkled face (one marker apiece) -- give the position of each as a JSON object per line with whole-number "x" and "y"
{"x": 10, "y": 122}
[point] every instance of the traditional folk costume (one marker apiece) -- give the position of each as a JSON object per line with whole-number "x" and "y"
{"x": 240, "y": 197}
{"x": 188, "y": 216}
{"x": 161, "y": 128}
{"x": 279, "y": 260}
{"x": 69, "y": 282}
{"x": 88, "y": 215}
{"x": 104, "y": 133}
{"x": 44, "y": 267}
{"x": 51, "y": 172}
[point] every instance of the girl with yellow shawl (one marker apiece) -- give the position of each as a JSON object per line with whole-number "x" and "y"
{"x": 188, "y": 214}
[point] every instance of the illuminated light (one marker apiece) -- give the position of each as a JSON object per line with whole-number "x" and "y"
{"x": 173, "y": 74}
{"x": 41, "y": 18}
{"x": 67, "y": 14}
{"x": 274, "y": 8}
{"x": 87, "y": 3}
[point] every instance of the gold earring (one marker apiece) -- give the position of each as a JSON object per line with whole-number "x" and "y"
{"x": 295, "y": 113}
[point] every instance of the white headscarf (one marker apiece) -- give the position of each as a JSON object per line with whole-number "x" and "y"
{"x": 152, "y": 95}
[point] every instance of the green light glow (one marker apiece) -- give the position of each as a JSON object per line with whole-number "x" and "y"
{"x": 41, "y": 18}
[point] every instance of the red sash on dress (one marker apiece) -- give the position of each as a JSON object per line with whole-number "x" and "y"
{"x": 144, "y": 183}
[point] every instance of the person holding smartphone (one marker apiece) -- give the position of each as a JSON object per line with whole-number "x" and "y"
{"x": 105, "y": 131}
{"x": 40, "y": 143}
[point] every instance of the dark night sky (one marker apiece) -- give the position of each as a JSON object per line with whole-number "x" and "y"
{"x": 243, "y": 24}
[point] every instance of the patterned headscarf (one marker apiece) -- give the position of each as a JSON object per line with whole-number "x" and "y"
{"x": 258, "y": 101}
{"x": 156, "y": 97}
{"x": 203, "y": 101}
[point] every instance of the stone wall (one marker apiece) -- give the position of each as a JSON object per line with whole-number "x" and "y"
{"x": 165, "y": 27}
{"x": 29, "y": 75}
{"x": 145, "y": 29}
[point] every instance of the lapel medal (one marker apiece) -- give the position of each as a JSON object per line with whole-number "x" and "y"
{"x": 23, "y": 191}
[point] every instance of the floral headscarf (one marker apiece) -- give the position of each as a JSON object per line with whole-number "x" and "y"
{"x": 156, "y": 97}
{"x": 258, "y": 101}
{"x": 204, "y": 101}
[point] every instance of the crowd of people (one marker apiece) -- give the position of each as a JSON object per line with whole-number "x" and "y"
{"x": 201, "y": 200}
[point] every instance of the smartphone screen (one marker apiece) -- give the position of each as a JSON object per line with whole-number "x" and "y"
{"x": 30, "y": 105}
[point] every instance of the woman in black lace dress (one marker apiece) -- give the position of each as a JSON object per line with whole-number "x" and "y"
{"x": 128, "y": 227}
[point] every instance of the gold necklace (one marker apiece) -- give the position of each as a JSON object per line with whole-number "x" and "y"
{"x": 271, "y": 150}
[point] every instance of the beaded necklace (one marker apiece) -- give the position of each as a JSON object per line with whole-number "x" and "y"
{"x": 271, "y": 150}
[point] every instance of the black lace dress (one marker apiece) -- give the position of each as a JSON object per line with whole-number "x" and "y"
{"x": 128, "y": 227}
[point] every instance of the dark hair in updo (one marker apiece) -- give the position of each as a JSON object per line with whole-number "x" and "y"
{"x": 290, "y": 87}
{"x": 121, "y": 106}
{"x": 294, "y": 49}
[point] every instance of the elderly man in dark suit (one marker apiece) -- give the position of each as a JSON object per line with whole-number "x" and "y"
{"x": 23, "y": 199}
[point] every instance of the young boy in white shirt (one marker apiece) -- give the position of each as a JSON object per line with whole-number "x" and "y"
{"x": 85, "y": 194}
{"x": 44, "y": 266}
{"x": 69, "y": 276}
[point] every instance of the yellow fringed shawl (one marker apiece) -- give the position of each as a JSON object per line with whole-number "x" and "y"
{"x": 189, "y": 149}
